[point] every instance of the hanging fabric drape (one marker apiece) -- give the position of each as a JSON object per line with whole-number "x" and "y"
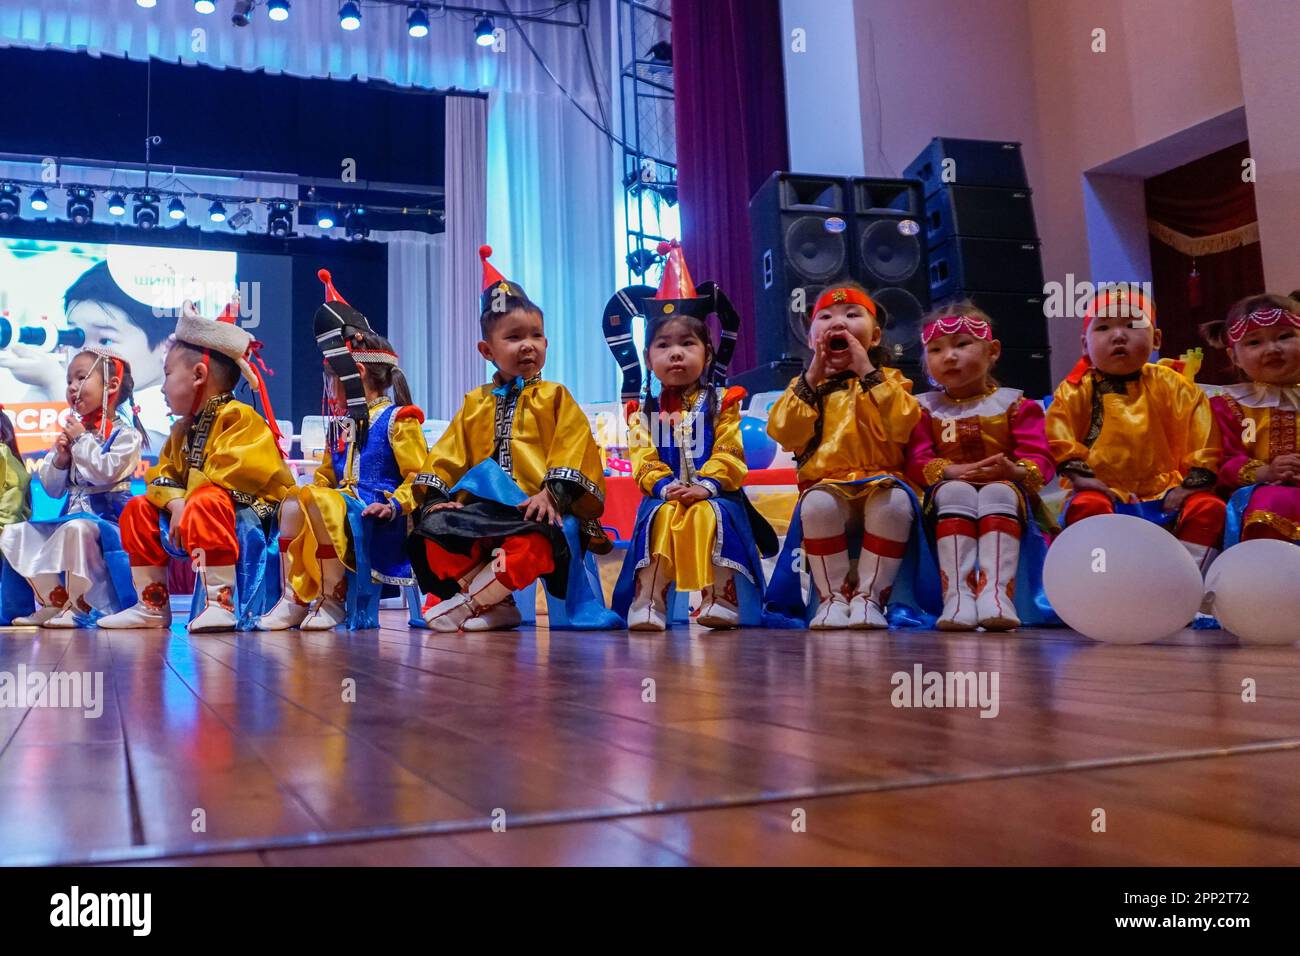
{"x": 550, "y": 178}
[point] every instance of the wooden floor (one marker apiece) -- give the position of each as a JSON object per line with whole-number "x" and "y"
{"x": 749, "y": 734}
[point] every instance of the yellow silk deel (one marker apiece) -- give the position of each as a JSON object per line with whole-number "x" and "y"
{"x": 15, "y": 505}
{"x": 1152, "y": 433}
{"x": 240, "y": 455}
{"x": 325, "y": 513}
{"x": 864, "y": 433}
{"x": 550, "y": 438}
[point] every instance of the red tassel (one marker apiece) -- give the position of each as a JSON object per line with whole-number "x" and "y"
{"x": 1194, "y": 288}
{"x": 258, "y": 366}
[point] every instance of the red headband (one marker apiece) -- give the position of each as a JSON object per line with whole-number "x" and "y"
{"x": 1261, "y": 319}
{"x": 841, "y": 295}
{"x": 952, "y": 324}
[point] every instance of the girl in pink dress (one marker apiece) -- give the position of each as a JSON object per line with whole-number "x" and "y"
{"x": 981, "y": 452}
{"x": 1260, "y": 419}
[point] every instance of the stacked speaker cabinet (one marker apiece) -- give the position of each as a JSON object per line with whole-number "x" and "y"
{"x": 983, "y": 245}
{"x": 810, "y": 230}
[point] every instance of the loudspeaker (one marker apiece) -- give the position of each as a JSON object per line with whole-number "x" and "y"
{"x": 982, "y": 211}
{"x": 799, "y": 230}
{"x": 1029, "y": 370}
{"x": 990, "y": 265}
{"x": 968, "y": 162}
{"x": 890, "y": 260}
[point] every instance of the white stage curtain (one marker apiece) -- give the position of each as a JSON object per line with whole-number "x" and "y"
{"x": 434, "y": 281}
{"x": 550, "y": 173}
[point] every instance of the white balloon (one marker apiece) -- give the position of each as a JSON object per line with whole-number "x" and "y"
{"x": 1256, "y": 588}
{"x": 1120, "y": 579}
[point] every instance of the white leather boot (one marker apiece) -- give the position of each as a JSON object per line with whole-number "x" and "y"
{"x": 649, "y": 609}
{"x": 331, "y": 610}
{"x": 955, "y": 548}
{"x": 219, "y": 614}
{"x": 152, "y": 608}
{"x": 720, "y": 609}
{"x": 999, "y": 556}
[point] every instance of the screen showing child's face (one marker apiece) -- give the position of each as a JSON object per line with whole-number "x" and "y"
{"x": 959, "y": 361}
{"x": 108, "y": 325}
{"x": 516, "y": 344}
{"x": 182, "y": 380}
{"x": 1120, "y": 345}
{"x": 1271, "y": 355}
{"x": 85, "y": 391}
{"x": 834, "y": 322}
{"x": 677, "y": 355}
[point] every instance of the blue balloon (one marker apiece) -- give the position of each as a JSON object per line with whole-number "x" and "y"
{"x": 759, "y": 447}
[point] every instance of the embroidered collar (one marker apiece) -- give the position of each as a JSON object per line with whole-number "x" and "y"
{"x": 197, "y": 440}
{"x": 379, "y": 402}
{"x": 1263, "y": 395}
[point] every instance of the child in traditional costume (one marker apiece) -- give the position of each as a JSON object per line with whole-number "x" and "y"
{"x": 1260, "y": 419}
{"x": 847, "y": 420}
{"x": 981, "y": 452}
{"x": 694, "y": 529}
{"x": 213, "y": 494}
{"x": 75, "y": 563}
{"x": 15, "y": 505}
{"x": 354, "y": 514}
{"x": 494, "y": 491}
{"x": 1133, "y": 437}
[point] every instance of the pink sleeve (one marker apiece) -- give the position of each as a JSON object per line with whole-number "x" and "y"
{"x": 1029, "y": 434}
{"x": 920, "y": 449}
{"x": 1235, "y": 455}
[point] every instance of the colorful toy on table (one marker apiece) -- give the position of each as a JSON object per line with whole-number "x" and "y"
{"x": 344, "y": 536}
{"x": 981, "y": 452}
{"x": 1259, "y": 419}
{"x": 1132, "y": 437}
{"x": 74, "y": 563}
{"x": 513, "y": 489}
{"x": 211, "y": 498}
{"x": 695, "y": 529}
{"x": 848, "y": 420}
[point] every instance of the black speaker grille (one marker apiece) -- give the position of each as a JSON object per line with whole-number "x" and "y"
{"x": 888, "y": 255}
{"x": 901, "y": 336}
{"x": 812, "y": 250}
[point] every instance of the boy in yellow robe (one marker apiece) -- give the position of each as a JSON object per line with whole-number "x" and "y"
{"x": 517, "y": 458}
{"x": 1133, "y": 437}
{"x": 221, "y": 455}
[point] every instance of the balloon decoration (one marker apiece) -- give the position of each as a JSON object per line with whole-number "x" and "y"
{"x": 1256, "y": 591}
{"x": 1122, "y": 580}
{"x": 759, "y": 447}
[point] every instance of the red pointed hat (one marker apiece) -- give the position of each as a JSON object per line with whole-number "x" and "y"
{"x": 676, "y": 293}
{"x": 494, "y": 282}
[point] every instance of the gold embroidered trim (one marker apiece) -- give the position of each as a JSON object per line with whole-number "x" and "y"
{"x": 933, "y": 471}
{"x": 1033, "y": 476}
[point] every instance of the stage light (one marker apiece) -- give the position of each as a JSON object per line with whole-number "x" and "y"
{"x": 145, "y": 211}
{"x": 147, "y": 4}
{"x": 10, "y": 201}
{"x": 39, "y": 200}
{"x": 417, "y": 24}
{"x": 350, "y": 15}
{"x": 242, "y": 13}
{"x": 81, "y": 204}
{"x": 242, "y": 217}
{"x": 278, "y": 10}
{"x": 279, "y": 221}
{"x": 117, "y": 204}
{"x": 217, "y": 212}
{"x": 176, "y": 209}
{"x": 205, "y": 6}
{"x": 484, "y": 31}
{"x": 355, "y": 223}
{"x": 325, "y": 219}
{"x": 639, "y": 260}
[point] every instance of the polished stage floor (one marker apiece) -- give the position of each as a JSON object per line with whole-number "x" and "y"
{"x": 759, "y": 747}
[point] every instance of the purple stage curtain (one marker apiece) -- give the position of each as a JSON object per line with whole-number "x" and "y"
{"x": 731, "y": 135}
